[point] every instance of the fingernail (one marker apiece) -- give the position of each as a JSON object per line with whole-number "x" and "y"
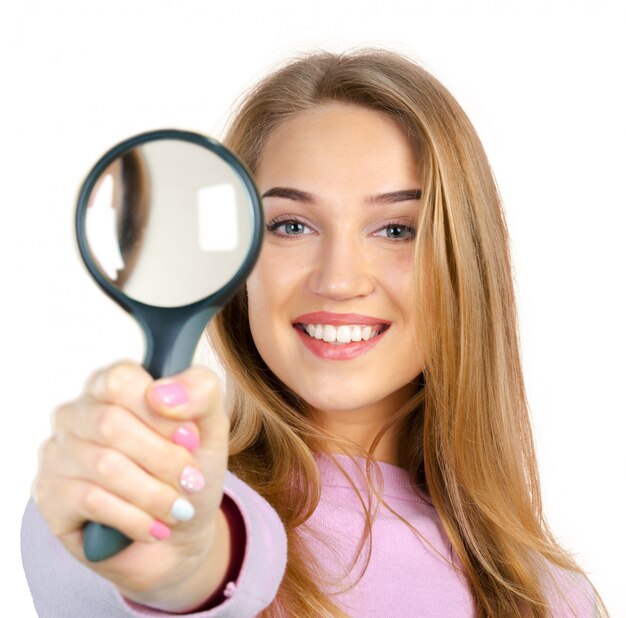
{"x": 191, "y": 479}
{"x": 182, "y": 510}
{"x": 159, "y": 530}
{"x": 186, "y": 438}
{"x": 171, "y": 395}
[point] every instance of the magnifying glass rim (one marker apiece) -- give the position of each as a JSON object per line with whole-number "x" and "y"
{"x": 254, "y": 203}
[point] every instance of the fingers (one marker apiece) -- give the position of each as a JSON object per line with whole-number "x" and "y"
{"x": 53, "y": 492}
{"x": 93, "y": 503}
{"x": 101, "y": 414}
{"x": 113, "y": 471}
{"x": 122, "y": 384}
{"x": 186, "y": 409}
{"x": 193, "y": 395}
{"x": 140, "y": 450}
{"x": 117, "y": 428}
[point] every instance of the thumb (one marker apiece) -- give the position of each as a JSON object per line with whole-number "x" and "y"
{"x": 194, "y": 395}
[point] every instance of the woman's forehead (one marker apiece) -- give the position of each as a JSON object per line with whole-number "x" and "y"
{"x": 336, "y": 143}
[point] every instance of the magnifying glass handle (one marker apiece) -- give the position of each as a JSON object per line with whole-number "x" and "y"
{"x": 101, "y": 542}
{"x": 168, "y": 354}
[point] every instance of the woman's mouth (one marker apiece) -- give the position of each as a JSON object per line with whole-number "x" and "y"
{"x": 343, "y": 342}
{"x": 342, "y": 335}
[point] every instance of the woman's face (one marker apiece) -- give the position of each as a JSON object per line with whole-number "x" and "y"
{"x": 339, "y": 186}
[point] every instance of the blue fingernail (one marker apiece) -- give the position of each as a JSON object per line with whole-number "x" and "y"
{"x": 182, "y": 510}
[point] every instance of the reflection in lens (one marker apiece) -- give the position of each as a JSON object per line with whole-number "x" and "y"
{"x": 102, "y": 228}
{"x": 217, "y": 227}
{"x": 117, "y": 216}
{"x": 134, "y": 209}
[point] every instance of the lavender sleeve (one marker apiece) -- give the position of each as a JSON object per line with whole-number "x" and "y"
{"x": 62, "y": 587}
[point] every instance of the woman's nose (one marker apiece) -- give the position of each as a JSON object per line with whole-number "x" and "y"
{"x": 341, "y": 269}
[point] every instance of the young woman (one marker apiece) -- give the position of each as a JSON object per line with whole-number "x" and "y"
{"x": 373, "y": 455}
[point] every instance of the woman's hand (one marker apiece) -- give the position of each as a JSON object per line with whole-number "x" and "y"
{"x": 140, "y": 456}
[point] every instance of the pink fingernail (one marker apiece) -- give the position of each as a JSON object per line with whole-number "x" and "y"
{"x": 171, "y": 395}
{"x": 191, "y": 479}
{"x": 159, "y": 530}
{"x": 187, "y": 438}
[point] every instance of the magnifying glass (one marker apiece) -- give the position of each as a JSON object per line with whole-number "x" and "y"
{"x": 169, "y": 223}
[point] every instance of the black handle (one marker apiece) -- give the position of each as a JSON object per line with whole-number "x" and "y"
{"x": 168, "y": 354}
{"x": 101, "y": 542}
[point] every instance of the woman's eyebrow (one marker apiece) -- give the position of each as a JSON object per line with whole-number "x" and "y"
{"x": 395, "y": 196}
{"x": 290, "y": 194}
{"x": 383, "y": 198}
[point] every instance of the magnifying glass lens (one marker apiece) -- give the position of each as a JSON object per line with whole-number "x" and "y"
{"x": 168, "y": 222}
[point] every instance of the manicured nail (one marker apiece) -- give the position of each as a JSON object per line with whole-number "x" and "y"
{"x": 191, "y": 479}
{"x": 171, "y": 395}
{"x": 159, "y": 530}
{"x": 182, "y": 510}
{"x": 186, "y": 438}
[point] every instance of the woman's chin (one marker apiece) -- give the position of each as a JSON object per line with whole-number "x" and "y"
{"x": 334, "y": 403}
{"x": 354, "y": 396}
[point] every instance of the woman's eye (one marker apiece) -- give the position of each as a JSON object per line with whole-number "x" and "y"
{"x": 292, "y": 226}
{"x": 398, "y": 231}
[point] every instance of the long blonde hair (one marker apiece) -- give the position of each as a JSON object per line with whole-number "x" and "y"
{"x": 467, "y": 441}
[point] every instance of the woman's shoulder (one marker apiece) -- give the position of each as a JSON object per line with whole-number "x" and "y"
{"x": 570, "y": 593}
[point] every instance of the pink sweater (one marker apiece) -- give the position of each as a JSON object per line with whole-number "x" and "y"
{"x": 405, "y": 577}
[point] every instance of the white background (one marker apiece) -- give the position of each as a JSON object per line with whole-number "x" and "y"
{"x": 543, "y": 84}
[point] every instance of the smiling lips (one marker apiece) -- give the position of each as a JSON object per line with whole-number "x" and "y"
{"x": 339, "y": 336}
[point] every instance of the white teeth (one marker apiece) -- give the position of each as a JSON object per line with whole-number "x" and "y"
{"x": 330, "y": 333}
{"x": 344, "y": 334}
{"x": 341, "y": 334}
